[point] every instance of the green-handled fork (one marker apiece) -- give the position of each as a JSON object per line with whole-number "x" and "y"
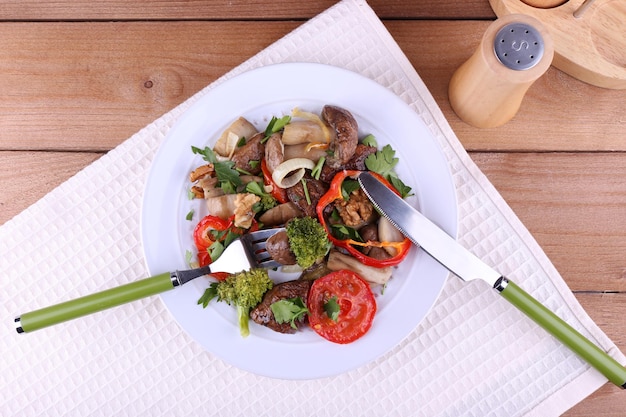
{"x": 244, "y": 253}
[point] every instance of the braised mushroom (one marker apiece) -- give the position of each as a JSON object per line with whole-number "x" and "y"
{"x": 346, "y": 137}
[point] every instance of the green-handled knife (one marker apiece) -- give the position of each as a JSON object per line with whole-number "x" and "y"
{"x": 461, "y": 262}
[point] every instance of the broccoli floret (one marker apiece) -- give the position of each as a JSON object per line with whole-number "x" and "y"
{"x": 244, "y": 290}
{"x": 308, "y": 240}
{"x": 267, "y": 201}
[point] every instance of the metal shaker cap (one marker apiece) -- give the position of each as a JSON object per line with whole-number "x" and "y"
{"x": 518, "y": 46}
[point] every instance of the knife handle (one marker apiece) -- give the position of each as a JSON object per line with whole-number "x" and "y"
{"x": 93, "y": 303}
{"x": 565, "y": 333}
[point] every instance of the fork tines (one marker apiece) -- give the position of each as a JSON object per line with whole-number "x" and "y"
{"x": 255, "y": 244}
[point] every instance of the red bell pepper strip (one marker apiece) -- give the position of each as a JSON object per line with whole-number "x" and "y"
{"x": 202, "y": 236}
{"x": 280, "y": 194}
{"x": 333, "y": 194}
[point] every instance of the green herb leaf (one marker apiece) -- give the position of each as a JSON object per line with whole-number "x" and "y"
{"x": 343, "y": 232}
{"x": 402, "y": 188}
{"x": 209, "y": 294}
{"x": 188, "y": 256}
{"x": 347, "y": 187}
{"x": 256, "y": 188}
{"x": 370, "y": 140}
{"x": 228, "y": 176}
{"x": 289, "y": 310}
{"x": 206, "y": 153}
{"x": 383, "y": 161}
{"x": 332, "y": 309}
{"x": 317, "y": 169}
{"x": 306, "y": 191}
{"x": 189, "y": 215}
{"x": 275, "y": 125}
{"x": 267, "y": 201}
{"x": 215, "y": 250}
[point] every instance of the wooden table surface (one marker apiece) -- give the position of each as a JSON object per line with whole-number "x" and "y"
{"x": 77, "y": 78}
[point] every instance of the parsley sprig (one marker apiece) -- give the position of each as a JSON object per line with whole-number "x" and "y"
{"x": 225, "y": 171}
{"x": 289, "y": 310}
{"x": 383, "y": 162}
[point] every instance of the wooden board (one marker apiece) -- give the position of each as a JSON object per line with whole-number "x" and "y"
{"x": 590, "y": 46}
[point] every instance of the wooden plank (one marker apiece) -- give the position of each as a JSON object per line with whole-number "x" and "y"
{"x": 97, "y": 95}
{"x": 64, "y": 90}
{"x": 574, "y": 205}
{"x": 221, "y": 9}
{"x": 608, "y": 311}
{"x": 26, "y": 177}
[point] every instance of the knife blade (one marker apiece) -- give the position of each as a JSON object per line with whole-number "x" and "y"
{"x": 467, "y": 266}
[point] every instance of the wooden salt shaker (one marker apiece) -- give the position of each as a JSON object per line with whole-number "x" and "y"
{"x": 487, "y": 90}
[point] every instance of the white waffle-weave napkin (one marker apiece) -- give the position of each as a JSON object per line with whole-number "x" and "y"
{"x": 135, "y": 361}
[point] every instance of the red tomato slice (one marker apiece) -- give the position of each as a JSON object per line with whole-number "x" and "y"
{"x": 356, "y": 302}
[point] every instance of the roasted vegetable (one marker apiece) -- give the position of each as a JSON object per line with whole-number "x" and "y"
{"x": 244, "y": 290}
{"x": 308, "y": 240}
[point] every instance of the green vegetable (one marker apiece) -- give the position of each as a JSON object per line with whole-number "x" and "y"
{"x": 370, "y": 140}
{"x": 267, "y": 201}
{"x": 289, "y": 310}
{"x": 189, "y": 215}
{"x": 347, "y": 187}
{"x": 308, "y": 240}
{"x": 225, "y": 171}
{"x": 316, "y": 172}
{"x": 306, "y": 191}
{"x": 383, "y": 162}
{"x": 244, "y": 290}
{"x": 331, "y": 307}
{"x": 275, "y": 125}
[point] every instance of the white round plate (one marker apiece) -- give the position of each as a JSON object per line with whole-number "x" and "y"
{"x": 258, "y": 95}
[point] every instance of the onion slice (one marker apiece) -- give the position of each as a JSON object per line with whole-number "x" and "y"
{"x": 281, "y": 173}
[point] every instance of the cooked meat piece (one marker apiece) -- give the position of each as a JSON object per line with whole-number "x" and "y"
{"x": 315, "y": 188}
{"x": 278, "y": 248}
{"x": 252, "y": 151}
{"x": 262, "y": 314}
{"x": 346, "y": 128}
{"x": 369, "y": 232}
{"x": 357, "y": 162}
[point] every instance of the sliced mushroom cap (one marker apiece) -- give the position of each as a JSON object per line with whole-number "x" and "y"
{"x": 346, "y": 138}
{"x": 248, "y": 156}
{"x": 274, "y": 151}
{"x": 278, "y": 248}
{"x": 240, "y": 128}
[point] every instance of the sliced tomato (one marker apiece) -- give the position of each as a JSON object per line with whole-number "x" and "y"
{"x": 357, "y": 306}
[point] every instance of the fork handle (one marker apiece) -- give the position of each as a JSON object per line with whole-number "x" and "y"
{"x": 93, "y": 303}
